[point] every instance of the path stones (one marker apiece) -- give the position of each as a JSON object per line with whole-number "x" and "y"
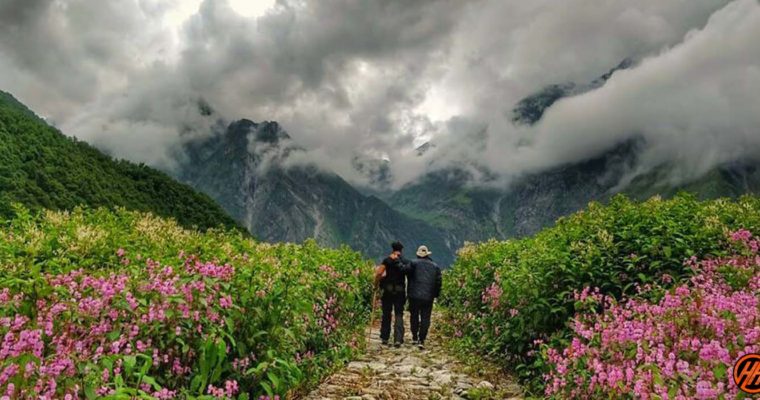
{"x": 486, "y": 385}
{"x": 442, "y": 377}
{"x": 387, "y": 373}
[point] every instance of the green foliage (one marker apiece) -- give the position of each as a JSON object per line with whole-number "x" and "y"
{"x": 282, "y": 296}
{"x": 501, "y": 296}
{"x": 42, "y": 168}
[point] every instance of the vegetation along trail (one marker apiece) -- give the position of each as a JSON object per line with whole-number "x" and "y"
{"x": 388, "y": 373}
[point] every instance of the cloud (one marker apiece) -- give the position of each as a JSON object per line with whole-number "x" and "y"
{"x": 692, "y": 103}
{"x": 372, "y": 80}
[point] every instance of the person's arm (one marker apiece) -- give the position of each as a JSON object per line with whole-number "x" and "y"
{"x": 407, "y": 266}
{"x": 379, "y": 273}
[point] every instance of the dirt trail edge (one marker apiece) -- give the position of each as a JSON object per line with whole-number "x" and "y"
{"x": 406, "y": 373}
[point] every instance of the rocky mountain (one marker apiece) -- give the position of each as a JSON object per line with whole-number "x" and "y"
{"x": 448, "y": 201}
{"x": 530, "y": 109}
{"x": 42, "y": 168}
{"x": 524, "y": 207}
{"x": 246, "y": 168}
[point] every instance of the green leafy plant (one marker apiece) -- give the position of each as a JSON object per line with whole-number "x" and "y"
{"x": 505, "y": 298}
{"x": 121, "y": 304}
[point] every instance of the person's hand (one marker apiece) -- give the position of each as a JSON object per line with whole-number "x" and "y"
{"x": 379, "y": 273}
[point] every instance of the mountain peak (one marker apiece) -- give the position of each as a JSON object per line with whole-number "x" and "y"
{"x": 270, "y": 132}
{"x": 423, "y": 148}
{"x": 263, "y": 132}
{"x": 531, "y": 109}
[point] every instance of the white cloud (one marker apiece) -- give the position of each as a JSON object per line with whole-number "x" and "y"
{"x": 360, "y": 79}
{"x": 694, "y": 104}
{"x": 251, "y": 8}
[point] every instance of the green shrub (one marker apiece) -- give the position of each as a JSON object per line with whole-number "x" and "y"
{"x": 502, "y": 296}
{"x": 127, "y": 305}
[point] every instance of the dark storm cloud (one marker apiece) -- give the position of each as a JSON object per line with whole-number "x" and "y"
{"x": 59, "y": 55}
{"x": 371, "y": 80}
{"x": 341, "y": 75}
{"x": 691, "y": 101}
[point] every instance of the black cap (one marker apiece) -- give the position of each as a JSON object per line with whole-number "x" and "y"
{"x": 397, "y": 246}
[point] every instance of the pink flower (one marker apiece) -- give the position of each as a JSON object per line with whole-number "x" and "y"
{"x": 491, "y": 295}
{"x": 225, "y": 301}
{"x": 694, "y": 330}
{"x": 164, "y": 394}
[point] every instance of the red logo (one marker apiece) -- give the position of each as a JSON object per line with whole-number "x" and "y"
{"x": 747, "y": 373}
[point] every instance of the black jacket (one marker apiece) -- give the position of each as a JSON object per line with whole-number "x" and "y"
{"x": 394, "y": 281}
{"x": 424, "y": 278}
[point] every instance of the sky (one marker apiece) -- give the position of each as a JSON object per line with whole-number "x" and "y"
{"x": 361, "y": 81}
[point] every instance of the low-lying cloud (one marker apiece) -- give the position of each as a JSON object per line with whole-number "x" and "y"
{"x": 373, "y": 80}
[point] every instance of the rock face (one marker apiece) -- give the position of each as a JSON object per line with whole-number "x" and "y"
{"x": 246, "y": 170}
{"x": 535, "y": 201}
{"x": 530, "y": 109}
{"x": 387, "y": 373}
{"x": 525, "y": 207}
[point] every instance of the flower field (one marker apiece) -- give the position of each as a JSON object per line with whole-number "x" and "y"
{"x": 671, "y": 344}
{"x": 555, "y": 307}
{"x": 121, "y": 305}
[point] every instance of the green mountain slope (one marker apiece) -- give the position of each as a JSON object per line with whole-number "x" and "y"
{"x": 42, "y": 168}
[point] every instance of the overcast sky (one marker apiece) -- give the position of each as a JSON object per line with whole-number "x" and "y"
{"x": 373, "y": 79}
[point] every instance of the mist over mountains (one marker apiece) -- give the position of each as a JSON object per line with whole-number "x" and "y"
{"x": 258, "y": 174}
{"x": 355, "y": 83}
{"x": 245, "y": 169}
{"x": 460, "y": 120}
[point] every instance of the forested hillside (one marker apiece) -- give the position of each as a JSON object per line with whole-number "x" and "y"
{"x": 42, "y": 168}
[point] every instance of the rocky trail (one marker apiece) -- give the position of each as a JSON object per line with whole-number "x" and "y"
{"x": 388, "y": 373}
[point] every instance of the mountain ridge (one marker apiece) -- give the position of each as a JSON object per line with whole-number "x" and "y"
{"x": 40, "y": 167}
{"x": 247, "y": 169}
{"x": 243, "y": 169}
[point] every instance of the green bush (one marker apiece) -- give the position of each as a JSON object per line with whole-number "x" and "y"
{"x": 177, "y": 313}
{"x": 502, "y": 296}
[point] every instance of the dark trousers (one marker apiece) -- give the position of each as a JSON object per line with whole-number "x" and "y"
{"x": 392, "y": 303}
{"x": 420, "y": 318}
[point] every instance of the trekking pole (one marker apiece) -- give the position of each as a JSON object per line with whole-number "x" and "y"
{"x": 379, "y": 271}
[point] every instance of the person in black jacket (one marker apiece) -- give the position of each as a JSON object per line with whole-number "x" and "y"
{"x": 392, "y": 282}
{"x": 424, "y": 277}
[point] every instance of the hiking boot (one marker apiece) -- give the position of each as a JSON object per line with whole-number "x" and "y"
{"x": 385, "y": 343}
{"x": 397, "y": 345}
{"x": 415, "y": 341}
{"x": 421, "y": 345}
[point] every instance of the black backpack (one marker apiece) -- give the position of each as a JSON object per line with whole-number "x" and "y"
{"x": 394, "y": 281}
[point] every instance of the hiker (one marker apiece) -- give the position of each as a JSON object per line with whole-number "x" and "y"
{"x": 392, "y": 282}
{"x": 424, "y": 277}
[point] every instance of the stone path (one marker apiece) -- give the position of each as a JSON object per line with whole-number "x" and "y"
{"x": 406, "y": 373}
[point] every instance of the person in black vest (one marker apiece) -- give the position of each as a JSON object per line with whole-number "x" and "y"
{"x": 424, "y": 277}
{"x": 392, "y": 282}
